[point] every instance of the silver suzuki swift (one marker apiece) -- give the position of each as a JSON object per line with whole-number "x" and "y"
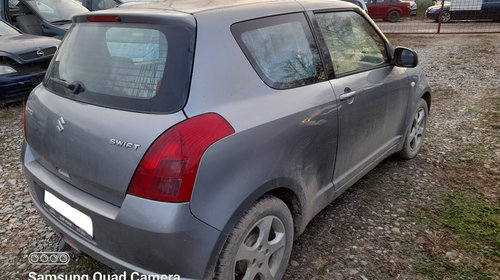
{"x": 200, "y": 137}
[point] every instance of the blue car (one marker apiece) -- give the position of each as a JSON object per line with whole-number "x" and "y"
{"x": 24, "y": 59}
{"x": 472, "y": 10}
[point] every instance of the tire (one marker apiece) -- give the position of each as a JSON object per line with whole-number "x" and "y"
{"x": 249, "y": 253}
{"x": 445, "y": 17}
{"x": 415, "y": 132}
{"x": 393, "y": 16}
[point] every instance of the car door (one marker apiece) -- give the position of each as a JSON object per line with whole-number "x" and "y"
{"x": 373, "y": 94}
{"x": 375, "y": 10}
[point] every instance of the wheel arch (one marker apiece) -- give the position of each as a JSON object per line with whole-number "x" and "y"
{"x": 427, "y": 97}
{"x": 292, "y": 200}
{"x": 287, "y": 190}
{"x": 394, "y": 9}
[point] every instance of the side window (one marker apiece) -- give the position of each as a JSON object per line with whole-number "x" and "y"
{"x": 352, "y": 42}
{"x": 13, "y": 4}
{"x": 281, "y": 49}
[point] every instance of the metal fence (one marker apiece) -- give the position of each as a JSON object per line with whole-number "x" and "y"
{"x": 455, "y": 16}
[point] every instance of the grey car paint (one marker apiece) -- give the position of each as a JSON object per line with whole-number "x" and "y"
{"x": 376, "y": 112}
{"x": 379, "y": 91}
{"x": 87, "y": 135}
{"x": 301, "y": 143}
{"x": 174, "y": 232}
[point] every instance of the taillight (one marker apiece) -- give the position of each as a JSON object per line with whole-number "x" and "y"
{"x": 168, "y": 169}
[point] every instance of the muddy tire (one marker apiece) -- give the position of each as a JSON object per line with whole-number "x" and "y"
{"x": 415, "y": 132}
{"x": 259, "y": 246}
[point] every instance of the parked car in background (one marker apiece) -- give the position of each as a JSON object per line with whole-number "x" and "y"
{"x": 24, "y": 59}
{"x": 359, "y": 3}
{"x": 413, "y": 7}
{"x": 473, "y": 10}
{"x": 199, "y": 138}
{"x": 95, "y": 5}
{"x": 41, "y": 17}
{"x": 390, "y": 10}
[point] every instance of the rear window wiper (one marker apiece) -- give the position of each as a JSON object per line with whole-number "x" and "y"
{"x": 74, "y": 87}
{"x": 61, "y": 21}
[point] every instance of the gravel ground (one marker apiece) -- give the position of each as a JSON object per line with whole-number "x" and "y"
{"x": 387, "y": 226}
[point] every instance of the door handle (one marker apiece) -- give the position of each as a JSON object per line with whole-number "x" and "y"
{"x": 348, "y": 94}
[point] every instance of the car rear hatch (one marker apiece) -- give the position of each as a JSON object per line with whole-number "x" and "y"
{"x": 117, "y": 82}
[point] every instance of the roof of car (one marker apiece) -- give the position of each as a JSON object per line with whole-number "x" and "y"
{"x": 200, "y": 6}
{"x": 216, "y": 12}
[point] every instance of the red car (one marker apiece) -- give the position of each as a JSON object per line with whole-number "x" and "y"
{"x": 390, "y": 10}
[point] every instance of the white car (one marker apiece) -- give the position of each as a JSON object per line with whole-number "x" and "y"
{"x": 413, "y": 8}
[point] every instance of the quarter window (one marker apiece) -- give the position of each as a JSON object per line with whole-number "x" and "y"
{"x": 352, "y": 42}
{"x": 281, "y": 49}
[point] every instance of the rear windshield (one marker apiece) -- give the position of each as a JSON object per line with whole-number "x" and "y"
{"x": 138, "y": 67}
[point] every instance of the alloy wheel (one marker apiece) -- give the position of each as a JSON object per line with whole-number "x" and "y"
{"x": 262, "y": 250}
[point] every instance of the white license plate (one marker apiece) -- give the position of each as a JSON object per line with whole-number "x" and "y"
{"x": 69, "y": 215}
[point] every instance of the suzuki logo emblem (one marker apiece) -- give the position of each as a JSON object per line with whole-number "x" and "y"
{"x": 60, "y": 124}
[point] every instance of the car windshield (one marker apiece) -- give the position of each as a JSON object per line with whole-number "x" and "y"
{"x": 6, "y": 29}
{"x": 57, "y": 10}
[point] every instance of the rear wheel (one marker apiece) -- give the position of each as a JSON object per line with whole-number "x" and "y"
{"x": 445, "y": 17}
{"x": 393, "y": 16}
{"x": 415, "y": 132}
{"x": 259, "y": 246}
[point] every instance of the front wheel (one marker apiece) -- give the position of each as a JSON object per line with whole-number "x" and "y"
{"x": 445, "y": 17}
{"x": 393, "y": 16}
{"x": 415, "y": 132}
{"x": 260, "y": 245}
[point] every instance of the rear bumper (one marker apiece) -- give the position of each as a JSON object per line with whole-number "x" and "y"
{"x": 142, "y": 235}
{"x": 15, "y": 87}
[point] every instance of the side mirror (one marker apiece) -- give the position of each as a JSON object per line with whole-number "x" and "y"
{"x": 404, "y": 57}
